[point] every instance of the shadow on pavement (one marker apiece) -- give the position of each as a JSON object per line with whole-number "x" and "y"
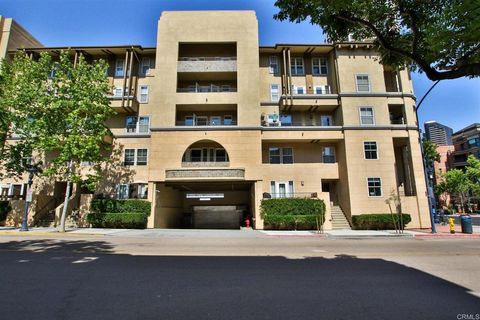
{"x": 76, "y": 280}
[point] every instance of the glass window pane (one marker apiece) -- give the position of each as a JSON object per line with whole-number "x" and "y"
{"x": 129, "y": 159}
{"x": 142, "y": 157}
{"x": 274, "y": 155}
{"x": 195, "y": 155}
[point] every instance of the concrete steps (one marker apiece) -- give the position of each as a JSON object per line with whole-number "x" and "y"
{"x": 338, "y": 218}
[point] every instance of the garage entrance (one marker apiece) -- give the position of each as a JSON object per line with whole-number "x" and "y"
{"x": 203, "y": 205}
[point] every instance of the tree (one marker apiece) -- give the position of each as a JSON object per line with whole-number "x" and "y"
{"x": 472, "y": 170}
{"x": 58, "y": 110}
{"x": 438, "y": 37}
{"x": 455, "y": 182}
{"x": 430, "y": 152}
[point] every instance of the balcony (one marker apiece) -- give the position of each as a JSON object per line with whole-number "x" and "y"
{"x": 204, "y": 174}
{"x": 207, "y": 64}
{"x": 309, "y": 102}
{"x": 196, "y": 88}
{"x": 125, "y": 104}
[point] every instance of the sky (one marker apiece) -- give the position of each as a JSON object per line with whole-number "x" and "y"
{"x": 455, "y": 103}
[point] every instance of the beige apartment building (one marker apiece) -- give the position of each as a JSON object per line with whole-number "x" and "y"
{"x": 210, "y": 123}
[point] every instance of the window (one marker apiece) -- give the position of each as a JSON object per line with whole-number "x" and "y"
{"x": 206, "y": 155}
{"x": 298, "y": 90}
{"x": 220, "y": 155}
{"x": 280, "y": 155}
{"x": 131, "y": 124}
{"x": 322, "y": 90}
{"x": 272, "y": 119}
{"x": 143, "y": 94}
{"x": 273, "y": 61}
{"x": 202, "y": 121}
{"x": 129, "y": 158}
{"x": 142, "y": 155}
{"x": 363, "y": 83}
{"x": 319, "y": 66}
{"x": 117, "y": 92}
{"x": 123, "y": 191}
{"x": 370, "y": 149}
{"x": 297, "y": 67}
{"x": 215, "y": 120}
{"x": 142, "y": 191}
{"x": 137, "y": 124}
{"x": 274, "y": 92}
{"x": 145, "y": 66}
{"x": 144, "y": 124}
{"x": 119, "y": 65}
{"x": 286, "y": 119}
{"x": 227, "y": 120}
{"x": 189, "y": 121}
{"x": 281, "y": 189}
{"x": 196, "y": 155}
{"x": 328, "y": 155}
{"x": 374, "y": 187}
{"x": 326, "y": 121}
{"x": 366, "y": 116}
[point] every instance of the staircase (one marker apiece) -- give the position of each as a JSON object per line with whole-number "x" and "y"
{"x": 338, "y": 218}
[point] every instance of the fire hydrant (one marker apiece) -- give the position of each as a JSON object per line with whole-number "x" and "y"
{"x": 451, "y": 224}
{"x": 247, "y": 222}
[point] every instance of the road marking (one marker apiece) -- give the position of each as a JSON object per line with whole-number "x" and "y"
{"x": 22, "y": 261}
{"x": 86, "y": 260}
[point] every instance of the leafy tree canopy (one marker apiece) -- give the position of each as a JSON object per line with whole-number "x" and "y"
{"x": 438, "y": 37}
{"x": 430, "y": 152}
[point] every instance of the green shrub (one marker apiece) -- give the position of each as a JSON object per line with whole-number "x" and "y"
{"x": 292, "y": 206}
{"x": 292, "y": 222}
{"x": 4, "y": 210}
{"x": 112, "y": 205}
{"x": 378, "y": 221}
{"x": 123, "y": 220}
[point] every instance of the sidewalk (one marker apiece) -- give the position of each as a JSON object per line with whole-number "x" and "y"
{"x": 442, "y": 232}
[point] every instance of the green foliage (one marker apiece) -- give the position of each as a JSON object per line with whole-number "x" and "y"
{"x": 430, "y": 152}
{"x": 472, "y": 172}
{"x": 292, "y": 222}
{"x": 379, "y": 221}
{"x": 57, "y": 109}
{"x": 292, "y": 213}
{"x": 111, "y": 205}
{"x": 5, "y": 208}
{"x": 292, "y": 206}
{"x": 438, "y": 37}
{"x": 123, "y": 220}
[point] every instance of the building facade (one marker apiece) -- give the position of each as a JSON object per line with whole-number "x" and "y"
{"x": 209, "y": 123}
{"x": 466, "y": 142}
{"x": 438, "y": 133}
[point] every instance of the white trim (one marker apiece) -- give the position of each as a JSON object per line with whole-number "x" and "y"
{"x": 272, "y": 94}
{"x": 118, "y": 73}
{"x": 369, "y": 82}
{"x": 364, "y": 151}
{"x": 294, "y": 65}
{"x": 270, "y": 70}
{"x": 140, "y": 93}
{"x": 381, "y": 187}
{"x": 320, "y": 66}
{"x": 295, "y": 90}
{"x": 360, "y": 115}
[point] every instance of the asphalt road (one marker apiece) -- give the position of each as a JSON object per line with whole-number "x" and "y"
{"x": 100, "y": 278}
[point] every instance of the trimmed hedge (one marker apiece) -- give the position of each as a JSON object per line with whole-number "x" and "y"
{"x": 292, "y": 206}
{"x": 292, "y": 222}
{"x": 111, "y": 205}
{"x": 5, "y": 208}
{"x": 378, "y": 221}
{"x": 292, "y": 213}
{"x": 124, "y": 220}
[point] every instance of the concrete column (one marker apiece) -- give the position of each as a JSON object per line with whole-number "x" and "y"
{"x": 152, "y": 197}
{"x": 257, "y": 195}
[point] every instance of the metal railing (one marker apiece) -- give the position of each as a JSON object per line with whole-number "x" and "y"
{"x": 293, "y": 124}
{"x": 208, "y": 88}
{"x": 397, "y": 121}
{"x": 202, "y": 124}
{"x": 287, "y": 195}
{"x": 231, "y": 58}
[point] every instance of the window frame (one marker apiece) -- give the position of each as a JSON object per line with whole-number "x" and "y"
{"x": 275, "y": 69}
{"x": 331, "y": 155}
{"x": 360, "y": 115}
{"x": 125, "y": 157}
{"x": 119, "y": 73}
{"x": 365, "y": 150}
{"x": 137, "y": 162}
{"x": 225, "y": 117}
{"x": 320, "y": 60}
{"x": 295, "y": 90}
{"x": 272, "y": 94}
{"x": 381, "y": 187}
{"x": 294, "y": 66}
{"x": 140, "y": 94}
{"x": 143, "y": 64}
{"x": 281, "y": 155}
{"x": 326, "y": 116}
{"x": 368, "y": 79}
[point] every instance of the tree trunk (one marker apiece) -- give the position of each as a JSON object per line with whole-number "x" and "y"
{"x": 67, "y": 198}
{"x": 65, "y": 207}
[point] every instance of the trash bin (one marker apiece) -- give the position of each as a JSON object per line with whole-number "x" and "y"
{"x": 466, "y": 222}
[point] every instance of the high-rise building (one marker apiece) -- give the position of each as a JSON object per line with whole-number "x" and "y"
{"x": 208, "y": 119}
{"x": 466, "y": 142}
{"x": 438, "y": 133}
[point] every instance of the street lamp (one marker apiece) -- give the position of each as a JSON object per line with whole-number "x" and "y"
{"x": 32, "y": 171}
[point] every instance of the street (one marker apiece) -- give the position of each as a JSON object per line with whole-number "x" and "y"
{"x": 209, "y": 277}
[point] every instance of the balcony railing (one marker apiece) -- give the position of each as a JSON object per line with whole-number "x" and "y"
{"x": 207, "y": 58}
{"x": 208, "y": 88}
{"x": 205, "y": 164}
{"x": 287, "y": 195}
{"x": 207, "y": 64}
{"x": 204, "y": 124}
{"x": 397, "y": 121}
{"x": 293, "y": 124}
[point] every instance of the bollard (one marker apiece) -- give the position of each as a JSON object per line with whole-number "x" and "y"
{"x": 452, "y": 225}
